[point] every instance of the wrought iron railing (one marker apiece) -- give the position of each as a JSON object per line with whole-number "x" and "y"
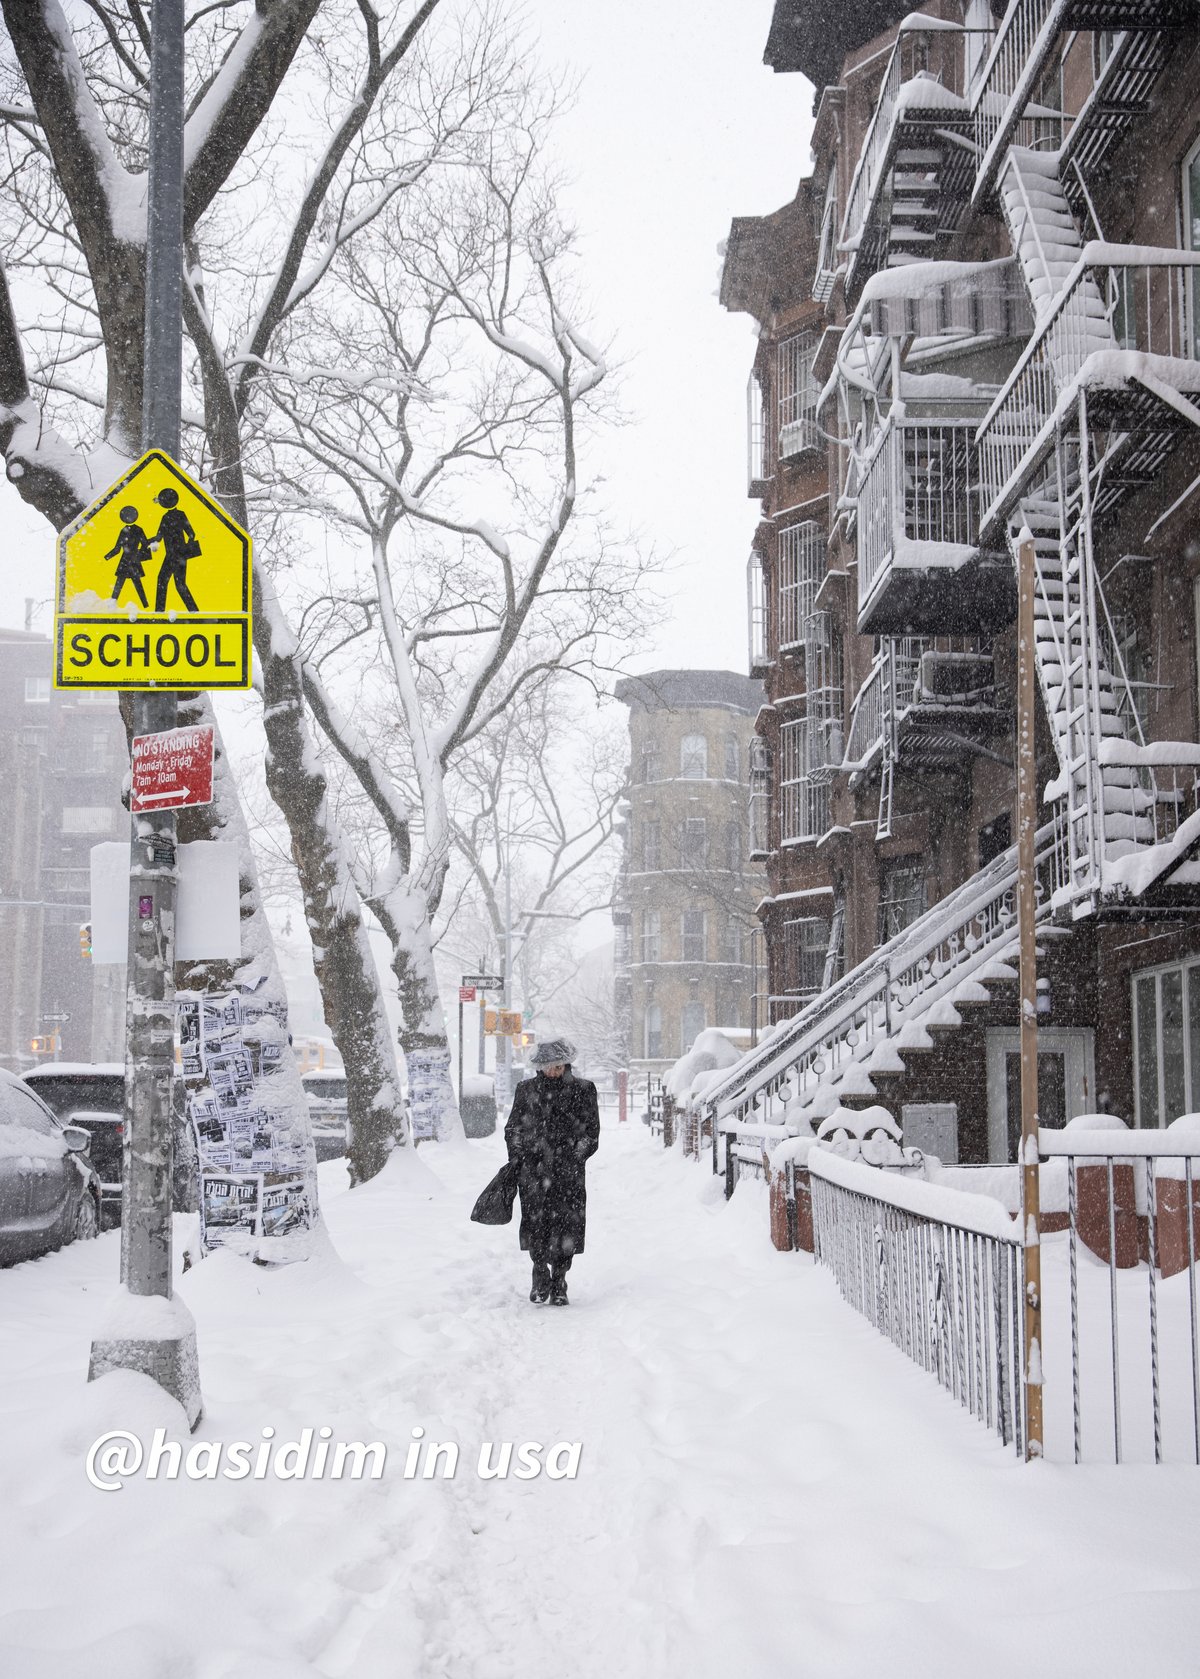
{"x": 946, "y": 1290}
{"x": 930, "y": 55}
{"x": 1117, "y": 297}
{"x": 920, "y": 486}
{"x": 970, "y": 928}
{"x": 756, "y": 615}
{"x": 1134, "y": 1201}
{"x": 1014, "y": 67}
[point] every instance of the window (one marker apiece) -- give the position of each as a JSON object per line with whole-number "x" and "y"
{"x": 87, "y": 819}
{"x": 651, "y": 936}
{"x": 693, "y": 758}
{"x": 804, "y": 798}
{"x": 34, "y": 737}
{"x": 797, "y": 394}
{"x": 693, "y": 843}
{"x": 1166, "y": 1035}
{"x": 801, "y": 567}
{"x": 693, "y": 935}
{"x": 651, "y": 847}
{"x": 901, "y": 896}
{"x": 980, "y": 29}
{"x": 652, "y": 1023}
{"x": 102, "y": 759}
{"x": 827, "y": 252}
{"x": 805, "y": 948}
{"x": 691, "y": 1024}
{"x": 733, "y": 847}
{"x": 651, "y": 762}
{"x": 995, "y": 837}
{"x": 1192, "y": 235}
{"x": 760, "y": 786}
{"x": 731, "y": 940}
{"x": 96, "y": 696}
{"x": 37, "y": 690}
{"x": 733, "y": 758}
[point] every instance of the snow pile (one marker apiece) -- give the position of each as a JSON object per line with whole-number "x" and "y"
{"x": 711, "y": 1052}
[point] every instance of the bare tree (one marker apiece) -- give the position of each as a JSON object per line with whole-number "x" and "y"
{"x": 543, "y": 783}
{"x": 379, "y": 107}
{"x": 432, "y": 404}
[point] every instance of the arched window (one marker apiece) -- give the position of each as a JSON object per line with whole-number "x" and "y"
{"x": 693, "y": 758}
{"x": 691, "y": 1024}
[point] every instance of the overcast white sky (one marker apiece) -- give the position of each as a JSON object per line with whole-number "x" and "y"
{"x": 679, "y": 126}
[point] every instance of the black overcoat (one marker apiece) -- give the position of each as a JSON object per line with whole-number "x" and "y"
{"x": 554, "y": 1127}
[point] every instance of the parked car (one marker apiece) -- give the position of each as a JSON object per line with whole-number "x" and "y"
{"x": 49, "y": 1190}
{"x": 91, "y": 1094}
{"x": 327, "y": 1111}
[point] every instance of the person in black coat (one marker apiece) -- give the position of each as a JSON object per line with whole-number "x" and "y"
{"x": 552, "y": 1130}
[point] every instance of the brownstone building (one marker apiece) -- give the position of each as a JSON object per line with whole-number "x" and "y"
{"x": 978, "y": 317}
{"x": 686, "y": 898}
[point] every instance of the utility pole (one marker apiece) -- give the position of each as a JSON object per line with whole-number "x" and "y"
{"x": 164, "y": 1346}
{"x": 504, "y": 1043}
{"x": 1026, "y": 913}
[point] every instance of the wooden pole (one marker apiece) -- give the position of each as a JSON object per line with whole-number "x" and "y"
{"x": 1026, "y": 914}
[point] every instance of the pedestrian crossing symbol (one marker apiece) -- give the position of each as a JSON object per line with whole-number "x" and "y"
{"x": 153, "y": 587}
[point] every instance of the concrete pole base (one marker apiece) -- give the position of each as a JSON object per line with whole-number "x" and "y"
{"x": 171, "y": 1361}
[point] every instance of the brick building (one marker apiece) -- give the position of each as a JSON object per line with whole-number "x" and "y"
{"x": 686, "y": 897}
{"x": 62, "y": 761}
{"x": 979, "y": 315}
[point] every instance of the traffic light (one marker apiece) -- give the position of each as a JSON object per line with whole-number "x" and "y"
{"x": 45, "y": 1044}
{"x": 526, "y": 1039}
{"x": 85, "y": 939}
{"x": 489, "y": 1022}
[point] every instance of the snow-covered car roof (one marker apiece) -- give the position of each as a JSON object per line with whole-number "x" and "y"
{"x": 77, "y": 1069}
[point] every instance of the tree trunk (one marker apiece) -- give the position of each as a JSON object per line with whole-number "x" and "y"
{"x": 404, "y": 916}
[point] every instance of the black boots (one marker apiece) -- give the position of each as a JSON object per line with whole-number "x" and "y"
{"x": 549, "y": 1284}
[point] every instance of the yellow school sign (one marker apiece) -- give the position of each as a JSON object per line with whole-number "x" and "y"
{"x": 153, "y": 587}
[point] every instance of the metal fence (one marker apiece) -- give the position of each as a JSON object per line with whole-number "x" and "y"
{"x": 1125, "y": 1310}
{"x": 947, "y": 1295}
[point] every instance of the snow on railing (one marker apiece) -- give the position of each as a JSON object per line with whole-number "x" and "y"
{"x": 969, "y": 929}
{"x": 909, "y": 80}
{"x": 1023, "y": 41}
{"x": 1117, "y": 299}
{"x": 1134, "y": 1202}
{"x": 937, "y": 1271}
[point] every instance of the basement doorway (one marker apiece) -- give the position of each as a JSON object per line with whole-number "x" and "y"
{"x": 1066, "y": 1083}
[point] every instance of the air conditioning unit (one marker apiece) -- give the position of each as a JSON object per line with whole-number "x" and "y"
{"x": 798, "y": 438}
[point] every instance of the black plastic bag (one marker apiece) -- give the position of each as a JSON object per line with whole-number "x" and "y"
{"x": 495, "y": 1205}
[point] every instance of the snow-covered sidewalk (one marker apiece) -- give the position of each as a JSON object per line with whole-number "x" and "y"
{"x": 766, "y": 1487}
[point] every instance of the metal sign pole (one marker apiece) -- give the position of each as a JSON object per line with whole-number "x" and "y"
{"x": 169, "y": 1355}
{"x": 1026, "y": 913}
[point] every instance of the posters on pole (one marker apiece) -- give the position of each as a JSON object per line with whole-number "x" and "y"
{"x": 251, "y": 1152}
{"x": 430, "y": 1093}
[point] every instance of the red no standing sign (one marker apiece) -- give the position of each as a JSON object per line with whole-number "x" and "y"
{"x": 172, "y": 769}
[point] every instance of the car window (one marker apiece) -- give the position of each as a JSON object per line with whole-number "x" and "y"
{"x": 20, "y": 1107}
{"x": 99, "y": 1094}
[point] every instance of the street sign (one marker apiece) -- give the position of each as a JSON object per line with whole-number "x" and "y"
{"x": 61, "y": 1019}
{"x": 466, "y": 993}
{"x": 153, "y": 587}
{"x": 172, "y": 769}
{"x": 484, "y": 982}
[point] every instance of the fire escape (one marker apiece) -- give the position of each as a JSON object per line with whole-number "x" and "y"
{"x": 1103, "y": 385}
